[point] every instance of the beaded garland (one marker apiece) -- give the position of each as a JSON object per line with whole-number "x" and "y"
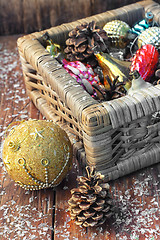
{"x": 37, "y": 154}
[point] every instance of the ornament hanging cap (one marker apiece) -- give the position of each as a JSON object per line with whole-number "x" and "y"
{"x": 149, "y": 17}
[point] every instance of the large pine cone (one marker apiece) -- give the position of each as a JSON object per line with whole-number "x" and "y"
{"x": 82, "y": 41}
{"x": 91, "y": 203}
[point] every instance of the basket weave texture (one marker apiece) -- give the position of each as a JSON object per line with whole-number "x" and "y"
{"x": 118, "y": 136}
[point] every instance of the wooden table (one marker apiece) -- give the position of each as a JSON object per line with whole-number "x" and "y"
{"x": 43, "y": 214}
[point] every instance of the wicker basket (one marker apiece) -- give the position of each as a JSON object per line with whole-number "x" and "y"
{"x": 118, "y": 136}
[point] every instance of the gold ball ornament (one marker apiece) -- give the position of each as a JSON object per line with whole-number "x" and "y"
{"x": 37, "y": 154}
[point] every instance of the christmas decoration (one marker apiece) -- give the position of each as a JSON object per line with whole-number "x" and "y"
{"x": 137, "y": 83}
{"x": 147, "y": 22}
{"x": 113, "y": 68}
{"x": 84, "y": 75}
{"x": 150, "y": 36}
{"x": 82, "y": 40}
{"x": 37, "y": 154}
{"x": 107, "y": 77}
{"x": 145, "y": 61}
{"x": 157, "y": 74}
{"x": 117, "y": 32}
{"x": 51, "y": 47}
{"x": 157, "y": 77}
{"x": 91, "y": 203}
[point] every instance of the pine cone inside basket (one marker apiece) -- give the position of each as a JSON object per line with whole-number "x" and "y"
{"x": 91, "y": 203}
{"x": 82, "y": 41}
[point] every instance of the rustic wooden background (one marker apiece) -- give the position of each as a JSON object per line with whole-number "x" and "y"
{"x": 26, "y": 16}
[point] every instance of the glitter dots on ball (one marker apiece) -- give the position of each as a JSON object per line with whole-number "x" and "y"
{"x": 14, "y": 146}
{"x": 45, "y": 162}
{"x": 21, "y": 161}
{"x": 37, "y": 154}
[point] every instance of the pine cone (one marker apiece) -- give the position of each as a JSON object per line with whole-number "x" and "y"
{"x": 116, "y": 90}
{"x": 91, "y": 203}
{"x": 82, "y": 40}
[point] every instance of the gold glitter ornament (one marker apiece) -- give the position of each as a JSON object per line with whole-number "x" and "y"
{"x": 37, "y": 154}
{"x": 117, "y": 32}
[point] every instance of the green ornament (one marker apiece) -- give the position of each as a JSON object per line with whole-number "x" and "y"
{"x": 117, "y": 32}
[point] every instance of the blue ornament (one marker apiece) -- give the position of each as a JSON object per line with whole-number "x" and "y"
{"x": 144, "y": 24}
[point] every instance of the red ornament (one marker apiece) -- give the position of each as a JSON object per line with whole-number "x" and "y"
{"x": 145, "y": 61}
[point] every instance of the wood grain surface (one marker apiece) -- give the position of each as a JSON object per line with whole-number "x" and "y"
{"x": 26, "y": 16}
{"x": 23, "y": 214}
{"x": 43, "y": 214}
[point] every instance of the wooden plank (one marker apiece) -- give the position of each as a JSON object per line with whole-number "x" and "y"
{"x": 31, "y": 15}
{"x": 23, "y": 214}
{"x": 137, "y": 202}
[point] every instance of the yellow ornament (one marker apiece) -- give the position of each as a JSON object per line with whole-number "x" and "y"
{"x": 113, "y": 68}
{"x": 37, "y": 154}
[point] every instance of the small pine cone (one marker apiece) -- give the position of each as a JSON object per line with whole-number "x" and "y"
{"x": 91, "y": 203}
{"x": 82, "y": 40}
